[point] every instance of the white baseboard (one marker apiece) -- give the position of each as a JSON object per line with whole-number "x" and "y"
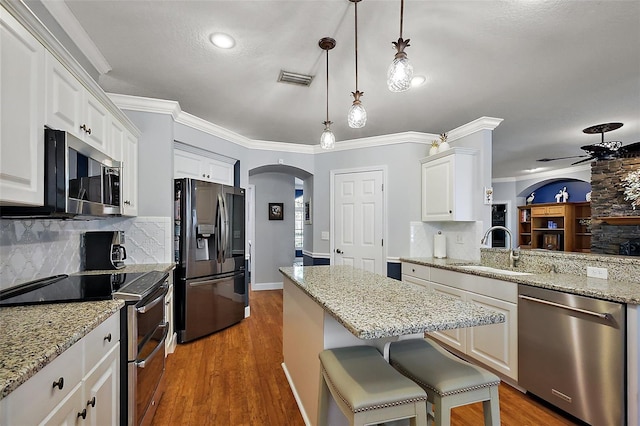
{"x": 296, "y": 396}
{"x": 266, "y": 286}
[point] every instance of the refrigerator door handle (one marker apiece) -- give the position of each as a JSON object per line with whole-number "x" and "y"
{"x": 210, "y": 282}
{"x": 223, "y": 228}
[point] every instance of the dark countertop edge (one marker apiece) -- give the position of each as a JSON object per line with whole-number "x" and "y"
{"x": 141, "y": 267}
{"x": 534, "y": 280}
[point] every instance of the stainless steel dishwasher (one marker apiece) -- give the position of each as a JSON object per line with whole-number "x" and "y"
{"x": 571, "y": 353}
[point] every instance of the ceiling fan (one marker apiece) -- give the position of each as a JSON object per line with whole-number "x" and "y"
{"x": 599, "y": 151}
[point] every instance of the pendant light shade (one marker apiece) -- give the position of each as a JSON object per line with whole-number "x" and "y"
{"x": 357, "y": 116}
{"x": 327, "y": 139}
{"x": 400, "y": 71}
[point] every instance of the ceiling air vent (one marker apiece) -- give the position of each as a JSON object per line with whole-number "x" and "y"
{"x": 295, "y": 78}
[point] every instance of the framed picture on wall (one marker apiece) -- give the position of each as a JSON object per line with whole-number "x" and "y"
{"x": 276, "y": 211}
{"x": 307, "y": 212}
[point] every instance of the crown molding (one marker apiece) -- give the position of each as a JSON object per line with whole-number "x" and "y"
{"x": 482, "y": 123}
{"x": 69, "y": 24}
{"x": 142, "y": 104}
{"x": 555, "y": 173}
{"x": 369, "y": 142}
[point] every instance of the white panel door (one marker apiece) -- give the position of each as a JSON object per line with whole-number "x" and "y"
{"x": 359, "y": 220}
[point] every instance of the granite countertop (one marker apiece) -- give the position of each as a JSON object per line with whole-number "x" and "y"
{"x": 33, "y": 336}
{"x": 613, "y": 290}
{"x": 373, "y": 306}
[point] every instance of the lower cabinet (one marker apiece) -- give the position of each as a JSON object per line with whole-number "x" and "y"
{"x": 495, "y": 346}
{"x": 79, "y": 387}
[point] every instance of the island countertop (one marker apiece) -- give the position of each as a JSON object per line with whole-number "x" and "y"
{"x": 372, "y": 306}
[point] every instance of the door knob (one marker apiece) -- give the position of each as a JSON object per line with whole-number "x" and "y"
{"x": 339, "y": 251}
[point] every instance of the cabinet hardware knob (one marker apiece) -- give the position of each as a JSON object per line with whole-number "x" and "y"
{"x": 339, "y": 251}
{"x": 85, "y": 128}
{"x": 59, "y": 383}
{"x": 413, "y": 270}
{"x": 92, "y": 402}
{"x": 203, "y": 175}
{"x": 128, "y": 202}
{"x": 107, "y": 337}
{"x": 83, "y": 414}
{"x": 208, "y": 176}
{"x": 450, "y": 211}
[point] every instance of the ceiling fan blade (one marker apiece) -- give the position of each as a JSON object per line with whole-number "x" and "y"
{"x": 582, "y": 161}
{"x": 544, "y": 160}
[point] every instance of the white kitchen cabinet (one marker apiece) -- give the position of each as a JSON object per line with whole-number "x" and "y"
{"x": 21, "y": 115}
{"x": 60, "y": 392}
{"x": 494, "y": 346}
{"x": 129, "y": 175}
{"x": 70, "y": 107}
{"x": 447, "y": 185}
{"x": 190, "y": 165}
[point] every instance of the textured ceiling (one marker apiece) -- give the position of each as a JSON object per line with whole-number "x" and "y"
{"x": 548, "y": 68}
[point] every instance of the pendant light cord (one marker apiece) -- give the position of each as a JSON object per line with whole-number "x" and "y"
{"x": 356, "y": 28}
{"x": 327, "y": 85}
{"x": 401, "y": 15}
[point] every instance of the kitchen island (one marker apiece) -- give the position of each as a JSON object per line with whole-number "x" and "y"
{"x": 333, "y": 306}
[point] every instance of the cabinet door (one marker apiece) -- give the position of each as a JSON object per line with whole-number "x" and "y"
{"x": 437, "y": 189}
{"x": 129, "y": 178}
{"x": 96, "y": 122}
{"x": 415, "y": 280}
{"x": 495, "y": 345}
{"x": 455, "y": 338}
{"x": 102, "y": 390}
{"x": 218, "y": 171}
{"x": 117, "y": 141}
{"x": 64, "y": 98}
{"x": 68, "y": 412}
{"x": 186, "y": 165}
{"x": 21, "y": 115}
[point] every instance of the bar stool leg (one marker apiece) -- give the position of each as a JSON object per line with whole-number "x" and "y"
{"x": 491, "y": 408}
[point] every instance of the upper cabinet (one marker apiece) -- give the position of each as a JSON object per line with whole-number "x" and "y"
{"x": 70, "y": 107}
{"x": 447, "y": 185}
{"x": 21, "y": 115}
{"x": 190, "y": 165}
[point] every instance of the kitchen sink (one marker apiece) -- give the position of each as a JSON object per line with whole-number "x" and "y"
{"x": 491, "y": 270}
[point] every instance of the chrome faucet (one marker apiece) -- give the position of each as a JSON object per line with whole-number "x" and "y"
{"x": 514, "y": 255}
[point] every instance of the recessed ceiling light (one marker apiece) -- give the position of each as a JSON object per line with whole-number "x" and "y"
{"x": 222, "y": 40}
{"x": 418, "y": 80}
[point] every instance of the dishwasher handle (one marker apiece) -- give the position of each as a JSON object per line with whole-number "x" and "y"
{"x": 602, "y": 315}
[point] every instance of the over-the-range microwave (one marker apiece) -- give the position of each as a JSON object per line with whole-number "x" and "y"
{"x": 79, "y": 181}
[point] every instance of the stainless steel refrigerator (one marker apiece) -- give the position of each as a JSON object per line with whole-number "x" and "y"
{"x": 210, "y": 288}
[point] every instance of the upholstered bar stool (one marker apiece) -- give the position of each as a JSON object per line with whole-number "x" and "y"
{"x": 367, "y": 389}
{"x": 449, "y": 381}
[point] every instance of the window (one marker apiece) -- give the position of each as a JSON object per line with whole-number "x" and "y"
{"x": 299, "y": 222}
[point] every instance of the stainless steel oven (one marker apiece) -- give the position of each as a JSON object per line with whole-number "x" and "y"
{"x": 146, "y": 331}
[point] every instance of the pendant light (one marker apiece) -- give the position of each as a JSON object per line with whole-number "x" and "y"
{"x": 327, "y": 140}
{"x": 400, "y": 71}
{"x": 357, "y": 116}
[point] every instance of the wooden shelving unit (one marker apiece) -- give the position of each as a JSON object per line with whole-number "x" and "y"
{"x": 524, "y": 227}
{"x": 555, "y": 226}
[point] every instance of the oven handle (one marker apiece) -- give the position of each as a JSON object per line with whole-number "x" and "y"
{"x": 142, "y": 363}
{"x": 602, "y": 315}
{"x": 154, "y": 302}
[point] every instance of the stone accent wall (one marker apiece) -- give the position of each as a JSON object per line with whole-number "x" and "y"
{"x": 607, "y": 199}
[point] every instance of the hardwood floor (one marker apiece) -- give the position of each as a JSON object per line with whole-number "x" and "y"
{"x": 234, "y": 377}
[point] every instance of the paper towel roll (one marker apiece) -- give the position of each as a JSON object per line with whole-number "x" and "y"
{"x": 439, "y": 246}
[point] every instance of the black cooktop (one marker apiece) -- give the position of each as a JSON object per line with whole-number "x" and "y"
{"x": 67, "y": 288}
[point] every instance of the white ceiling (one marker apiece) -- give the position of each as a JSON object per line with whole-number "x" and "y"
{"x": 548, "y": 68}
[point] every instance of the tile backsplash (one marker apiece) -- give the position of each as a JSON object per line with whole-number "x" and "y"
{"x": 35, "y": 248}
{"x": 463, "y": 239}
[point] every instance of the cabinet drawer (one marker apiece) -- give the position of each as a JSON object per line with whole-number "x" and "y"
{"x": 101, "y": 340}
{"x": 418, "y": 271}
{"x": 37, "y": 397}
{"x": 558, "y": 210}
